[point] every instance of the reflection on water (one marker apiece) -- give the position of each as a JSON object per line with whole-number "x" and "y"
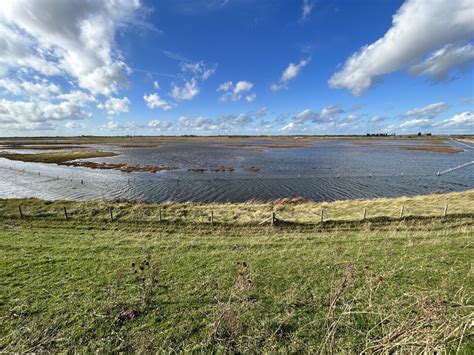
{"x": 327, "y": 170}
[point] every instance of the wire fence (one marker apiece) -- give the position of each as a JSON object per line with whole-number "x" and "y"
{"x": 218, "y": 215}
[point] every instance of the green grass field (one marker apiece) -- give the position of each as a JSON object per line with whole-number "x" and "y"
{"x": 133, "y": 284}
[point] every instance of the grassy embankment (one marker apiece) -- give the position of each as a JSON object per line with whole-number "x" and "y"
{"x": 57, "y": 157}
{"x": 69, "y": 158}
{"x": 133, "y": 284}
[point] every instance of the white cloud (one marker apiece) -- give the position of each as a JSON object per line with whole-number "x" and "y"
{"x": 35, "y": 90}
{"x": 442, "y": 61}
{"x": 186, "y": 92}
{"x": 16, "y": 50}
{"x": 251, "y": 97}
{"x": 375, "y": 119}
{"x": 192, "y": 73}
{"x": 155, "y": 101}
{"x": 462, "y": 120}
{"x": 324, "y": 119}
{"x": 289, "y": 74}
{"x": 306, "y": 9}
{"x": 228, "y": 85}
{"x": 160, "y": 125}
{"x": 235, "y": 92}
{"x": 112, "y": 125}
{"x": 330, "y": 112}
{"x": 38, "y": 114}
{"x": 75, "y": 38}
{"x": 428, "y": 111}
{"x": 416, "y": 123}
{"x": 74, "y": 125}
{"x": 11, "y": 86}
{"x": 114, "y": 106}
{"x": 77, "y": 97}
{"x": 223, "y": 123}
{"x": 156, "y": 85}
{"x": 198, "y": 69}
{"x": 418, "y": 27}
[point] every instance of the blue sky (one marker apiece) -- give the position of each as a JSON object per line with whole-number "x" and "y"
{"x": 236, "y": 67}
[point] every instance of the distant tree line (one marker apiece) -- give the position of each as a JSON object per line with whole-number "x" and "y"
{"x": 379, "y": 134}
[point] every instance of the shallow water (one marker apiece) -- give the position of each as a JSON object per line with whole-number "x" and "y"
{"x": 327, "y": 170}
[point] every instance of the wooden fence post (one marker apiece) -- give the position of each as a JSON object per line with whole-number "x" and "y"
{"x": 65, "y": 213}
{"x": 161, "y": 219}
{"x": 111, "y": 215}
{"x": 445, "y": 210}
{"x": 273, "y": 220}
{"x": 21, "y": 212}
{"x": 401, "y": 211}
{"x": 212, "y": 218}
{"x": 322, "y": 215}
{"x": 365, "y": 213}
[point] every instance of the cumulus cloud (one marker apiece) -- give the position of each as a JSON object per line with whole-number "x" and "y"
{"x": 114, "y": 106}
{"x": 234, "y": 92}
{"x": 188, "y": 91}
{"x": 113, "y": 125}
{"x": 74, "y": 125}
{"x": 428, "y": 111}
{"x": 75, "y": 38}
{"x": 462, "y": 121}
{"x": 38, "y": 114}
{"x": 325, "y": 118}
{"x": 78, "y": 97}
{"x": 224, "y": 123}
{"x": 291, "y": 72}
{"x": 192, "y": 74}
{"x": 155, "y": 101}
{"x": 160, "y": 125}
{"x": 416, "y": 123}
{"x": 418, "y": 28}
{"x": 439, "y": 63}
{"x": 35, "y": 90}
{"x": 251, "y": 97}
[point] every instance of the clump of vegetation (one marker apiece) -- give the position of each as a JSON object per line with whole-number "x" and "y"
{"x": 433, "y": 148}
{"x": 71, "y": 158}
{"x": 223, "y": 168}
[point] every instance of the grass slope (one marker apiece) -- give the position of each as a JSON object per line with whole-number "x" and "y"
{"x": 57, "y": 157}
{"x": 379, "y": 285}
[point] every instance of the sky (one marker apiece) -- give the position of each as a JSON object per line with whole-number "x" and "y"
{"x": 244, "y": 67}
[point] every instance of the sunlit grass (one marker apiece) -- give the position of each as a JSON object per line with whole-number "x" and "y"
{"x": 289, "y": 210}
{"x": 57, "y": 157}
{"x": 133, "y": 284}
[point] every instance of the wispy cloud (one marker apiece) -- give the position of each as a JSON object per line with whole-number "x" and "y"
{"x": 306, "y": 9}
